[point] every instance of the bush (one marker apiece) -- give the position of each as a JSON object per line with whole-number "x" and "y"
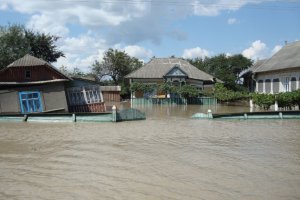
{"x": 263, "y": 100}
{"x": 223, "y": 94}
{"x": 188, "y": 91}
{"x": 142, "y": 87}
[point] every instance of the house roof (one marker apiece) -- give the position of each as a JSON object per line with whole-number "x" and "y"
{"x": 286, "y": 58}
{"x": 32, "y": 82}
{"x": 159, "y": 67}
{"x": 251, "y": 69}
{"x": 29, "y": 60}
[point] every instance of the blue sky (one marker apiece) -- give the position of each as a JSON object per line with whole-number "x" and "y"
{"x": 146, "y": 28}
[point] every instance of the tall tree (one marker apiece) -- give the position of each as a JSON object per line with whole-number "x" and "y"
{"x": 17, "y": 41}
{"x": 116, "y": 64}
{"x": 226, "y": 68}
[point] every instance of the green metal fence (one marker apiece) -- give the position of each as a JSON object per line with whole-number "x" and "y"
{"x": 177, "y": 101}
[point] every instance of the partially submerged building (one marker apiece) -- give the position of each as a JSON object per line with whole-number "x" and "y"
{"x": 31, "y": 85}
{"x": 175, "y": 71}
{"x": 280, "y": 73}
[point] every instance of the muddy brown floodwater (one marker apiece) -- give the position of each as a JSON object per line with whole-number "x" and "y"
{"x": 167, "y": 156}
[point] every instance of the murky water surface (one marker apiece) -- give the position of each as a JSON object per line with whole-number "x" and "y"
{"x": 167, "y": 156}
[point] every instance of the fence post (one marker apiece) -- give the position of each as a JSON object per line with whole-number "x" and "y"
{"x": 209, "y": 114}
{"x": 114, "y": 113}
{"x": 73, "y": 117}
{"x": 276, "y": 105}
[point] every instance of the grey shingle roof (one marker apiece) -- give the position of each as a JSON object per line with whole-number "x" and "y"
{"x": 286, "y": 58}
{"x": 158, "y": 67}
{"x": 251, "y": 69}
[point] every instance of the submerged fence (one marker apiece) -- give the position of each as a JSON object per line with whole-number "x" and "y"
{"x": 177, "y": 101}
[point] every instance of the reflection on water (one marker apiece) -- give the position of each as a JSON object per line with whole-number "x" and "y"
{"x": 163, "y": 157}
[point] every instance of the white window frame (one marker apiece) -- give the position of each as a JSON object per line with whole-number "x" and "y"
{"x": 84, "y": 95}
{"x": 286, "y": 84}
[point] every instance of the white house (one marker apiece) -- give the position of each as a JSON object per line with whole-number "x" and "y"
{"x": 280, "y": 73}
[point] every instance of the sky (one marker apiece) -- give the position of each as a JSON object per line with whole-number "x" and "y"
{"x": 162, "y": 28}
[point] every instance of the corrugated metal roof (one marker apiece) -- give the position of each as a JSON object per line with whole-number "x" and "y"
{"x": 286, "y": 58}
{"x": 159, "y": 67}
{"x": 29, "y": 60}
{"x": 26, "y": 61}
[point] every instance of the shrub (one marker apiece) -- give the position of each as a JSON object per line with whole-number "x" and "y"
{"x": 263, "y": 100}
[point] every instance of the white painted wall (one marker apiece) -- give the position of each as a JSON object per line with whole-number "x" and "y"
{"x": 282, "y": 78}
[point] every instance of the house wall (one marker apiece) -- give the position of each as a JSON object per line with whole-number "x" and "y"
{"x": 52, "y": 97}
{"x": 9, "y": 101}
{"x": 111, "y": 93}
{"x": 266, "y": 82}
{"x": 196, "y": 83}
{"x": 38, "y": 73}
{"x": 111, "y": 96}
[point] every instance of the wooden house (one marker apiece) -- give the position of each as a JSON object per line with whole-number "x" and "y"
{"x": 32, "y": 85}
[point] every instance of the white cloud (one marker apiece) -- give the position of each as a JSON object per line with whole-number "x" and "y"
{"x": 213, "y": 8}
{"x": 259, "y": 50}
{"x": 103, "y": 24}
{"x": 276, "y": 49}
{"x": 196, "y": 52}
{"x": 231, "y": 21}
{"x": 81, "y": 51}
{"x": 138, "y": 52}
{"x": 3, "y": 6}
{"x": 121, "y": 21}
{"x": 46, "y": 24}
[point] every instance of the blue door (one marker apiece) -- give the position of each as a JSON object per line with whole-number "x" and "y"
{"x": 30, "y": 102}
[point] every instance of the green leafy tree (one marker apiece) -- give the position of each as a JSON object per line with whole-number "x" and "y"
{"x": 17, "y": 41}
{"x": 116, "y": 64}
{"x": 188, "y": 91}
{"x": 225, "y": 68}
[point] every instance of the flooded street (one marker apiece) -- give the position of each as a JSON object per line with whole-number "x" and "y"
{"x": 167, "y": 156}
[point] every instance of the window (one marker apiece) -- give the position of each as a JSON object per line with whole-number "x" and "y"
{"x": 293, "y": 84}
{"x": 260, "y": 86}
{"x": 276, "y": 85}
{"x": 27, "y": 74}
{"x": 268, "y": 86}
{"x": 84, "y": 95}
{"x": 286, "y": 84}
{"x": 30, "y": 102}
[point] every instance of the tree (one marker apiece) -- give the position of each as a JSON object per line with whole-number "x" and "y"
{"x": 17, "y": 41}
{"x": 116, "y": 64}
{"x": 225, "y": 68}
